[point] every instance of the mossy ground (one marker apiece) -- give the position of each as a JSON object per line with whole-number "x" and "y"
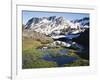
{"x": 32, "y": 57}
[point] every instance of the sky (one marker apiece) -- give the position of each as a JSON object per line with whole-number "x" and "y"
{"x": 26, "y": 15}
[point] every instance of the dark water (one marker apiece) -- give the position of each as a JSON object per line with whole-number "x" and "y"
{"x": 61, "y": 60}
{"x": 63, "y": 51}
{"x": 68, "y": 37}
{"x": 71, "y": 36}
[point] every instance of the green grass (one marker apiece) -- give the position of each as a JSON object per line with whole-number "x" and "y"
{"x": 71, "y": 53}
{"x": 32, "y": 57}
{"x": 30, "y": 43}
{"x": 77, "y": 63}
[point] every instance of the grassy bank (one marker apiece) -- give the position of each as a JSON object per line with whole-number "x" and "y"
{"x": 32, "y": 57}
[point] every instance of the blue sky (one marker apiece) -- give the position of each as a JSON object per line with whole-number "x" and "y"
{"x": 70, "y": 16}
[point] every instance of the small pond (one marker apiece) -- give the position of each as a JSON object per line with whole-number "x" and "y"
{"x": 60, "y": 60}
{"x": 63, "y": 58}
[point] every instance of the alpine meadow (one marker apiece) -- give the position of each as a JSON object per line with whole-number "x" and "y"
{"x": 55, "y": 39}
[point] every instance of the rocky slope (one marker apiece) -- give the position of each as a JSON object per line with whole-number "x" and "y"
{"x": 56, "y": 25}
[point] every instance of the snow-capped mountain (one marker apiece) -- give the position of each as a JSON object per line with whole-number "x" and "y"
{"x": 84, "y": 22}
{"x": 55, "y": 25}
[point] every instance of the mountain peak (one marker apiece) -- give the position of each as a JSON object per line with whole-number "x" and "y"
{"x": 54, "y": 25}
